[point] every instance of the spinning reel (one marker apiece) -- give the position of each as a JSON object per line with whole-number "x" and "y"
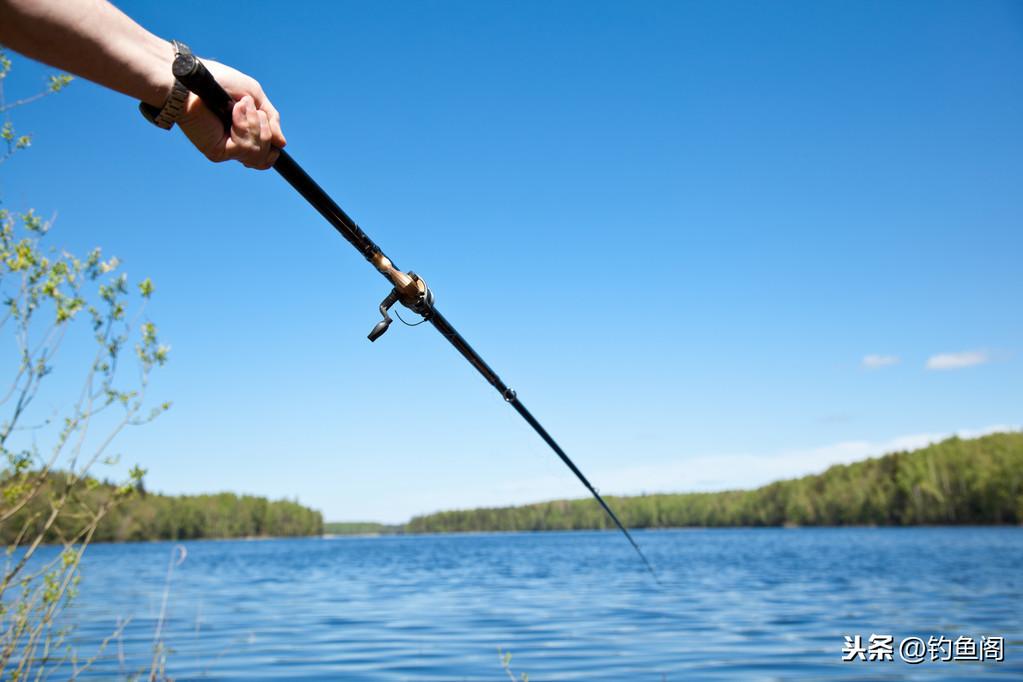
{"x": 409, "y": 290}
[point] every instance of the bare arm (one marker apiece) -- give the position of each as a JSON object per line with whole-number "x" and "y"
{"x": 95, "y": 40}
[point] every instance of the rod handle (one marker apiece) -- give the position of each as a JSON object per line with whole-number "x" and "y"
{"x": 193, "y": 75}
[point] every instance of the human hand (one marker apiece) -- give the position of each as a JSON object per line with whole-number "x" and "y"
{"x": 255, "y": 138}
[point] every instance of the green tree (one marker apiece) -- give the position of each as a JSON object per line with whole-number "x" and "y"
{"x": 46, "y": 492}
{"x": 977, "y": 481}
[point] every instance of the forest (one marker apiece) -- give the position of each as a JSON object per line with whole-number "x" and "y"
{"x": 956, "y": 481}
{"x": 143, "y": 515}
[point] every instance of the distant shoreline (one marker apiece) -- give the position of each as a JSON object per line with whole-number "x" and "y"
{"x": 957, "y": 482}
{"x": 334, "y": 536}
{"x": 612, "y": 531}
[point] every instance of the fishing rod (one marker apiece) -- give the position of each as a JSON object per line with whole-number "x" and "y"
{"x": 408, "y": 288}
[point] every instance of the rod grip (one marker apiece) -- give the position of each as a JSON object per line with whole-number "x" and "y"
{"x": 193, "y": 75}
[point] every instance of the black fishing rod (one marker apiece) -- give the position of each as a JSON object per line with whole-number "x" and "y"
{"x": 409, "y": 289}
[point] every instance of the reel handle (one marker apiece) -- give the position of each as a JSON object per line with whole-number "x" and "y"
{"x": 383, "y": 324}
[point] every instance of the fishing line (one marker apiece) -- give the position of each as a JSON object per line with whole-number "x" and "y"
{"x": 407, "y": 324}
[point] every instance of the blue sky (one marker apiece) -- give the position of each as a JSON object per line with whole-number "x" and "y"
{"x": 679, "y": 230}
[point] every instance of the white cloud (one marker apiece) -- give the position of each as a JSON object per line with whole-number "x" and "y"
{"x": 968, "y": 358}
{"x": 878, "y": 361}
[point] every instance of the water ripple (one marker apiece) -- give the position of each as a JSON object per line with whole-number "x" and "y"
{"x": 767, "y": 604}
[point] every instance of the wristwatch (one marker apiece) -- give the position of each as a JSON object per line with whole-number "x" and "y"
{"x": 166, "y": 116}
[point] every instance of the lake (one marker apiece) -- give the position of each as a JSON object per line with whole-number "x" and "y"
{"x": 733, "y": 604}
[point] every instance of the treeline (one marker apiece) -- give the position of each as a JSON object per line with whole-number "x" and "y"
{"x": 977, "y": 481}
{"x": 148, "y": 516}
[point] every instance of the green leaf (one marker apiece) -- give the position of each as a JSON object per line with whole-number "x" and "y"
{"x": 59, "y": 82}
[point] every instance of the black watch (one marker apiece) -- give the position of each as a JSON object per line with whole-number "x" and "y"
{"x": 164, "y": 117}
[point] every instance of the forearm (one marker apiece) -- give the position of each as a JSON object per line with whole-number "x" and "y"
{"x": 95, "y": 40}
{"x": 92, "y": 39}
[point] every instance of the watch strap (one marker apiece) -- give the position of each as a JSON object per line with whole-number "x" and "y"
{"x": 165, "y": 116}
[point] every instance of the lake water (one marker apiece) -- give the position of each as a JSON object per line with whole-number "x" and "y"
{"x": 738, "y": 604}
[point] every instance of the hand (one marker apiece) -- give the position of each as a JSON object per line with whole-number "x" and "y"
{"x": 255, "y": 138}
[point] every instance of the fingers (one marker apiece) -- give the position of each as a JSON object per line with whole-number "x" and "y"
{"x": 251, "y": 136}
{"x": 264, "y": 104}
{"x": 266, "y": 140}
{"x": 255, "y": 138}
{"x": 252, "y": 88}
